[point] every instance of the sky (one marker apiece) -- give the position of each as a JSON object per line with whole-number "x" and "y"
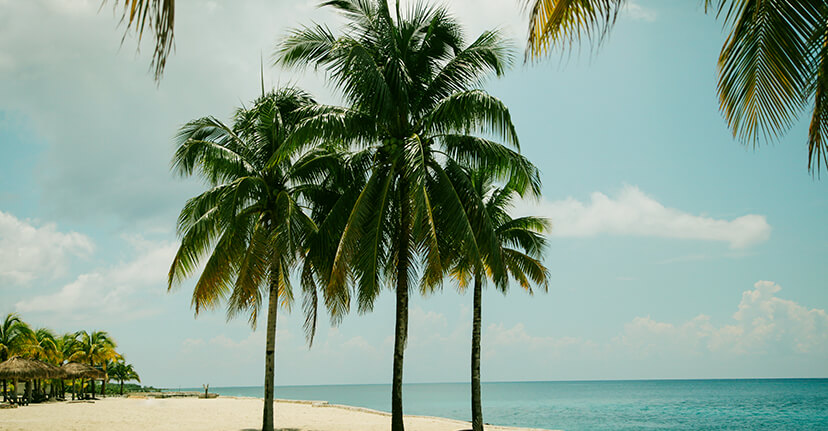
{"x": 676, "y": 252}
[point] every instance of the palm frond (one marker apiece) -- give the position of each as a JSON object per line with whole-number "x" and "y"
{"x": 563, "y": 23}
{"x": 473, "y": 111}
{"x": 159, "y": 17}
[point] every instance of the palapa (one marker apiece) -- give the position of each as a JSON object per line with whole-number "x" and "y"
{"x": 76, "y": 370}
{"x": 18, "y": 368}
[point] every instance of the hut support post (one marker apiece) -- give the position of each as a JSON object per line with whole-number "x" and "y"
{"x": 14, "y": 393}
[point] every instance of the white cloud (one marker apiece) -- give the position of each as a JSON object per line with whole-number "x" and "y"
{"x": 633, "y": 213}
{"x": 637, "y": 12}
{"x": 100, "y": 160}
{"x": 30, "y": 250}
{"x": 764, "y": 326}
{"x": 124, "y": 289}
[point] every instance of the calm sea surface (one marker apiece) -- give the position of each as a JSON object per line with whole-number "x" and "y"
{"x": 778, "y": 404}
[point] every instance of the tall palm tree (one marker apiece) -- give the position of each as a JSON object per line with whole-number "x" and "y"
{"x": 249, "y": 228}
{"x": 773, "y": 65}
{"x": 519, "y": 243}
{"x": 413, "y": 88}
{"x": 123, "y": 372}
{"x": 94, "y": 347}
{"x": 15, "y": 335}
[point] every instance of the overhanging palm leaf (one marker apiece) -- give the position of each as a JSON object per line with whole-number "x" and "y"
{"x": 562, "y": 23}
{"x": 157, "y": 16}
{"x": 773, "y": 65}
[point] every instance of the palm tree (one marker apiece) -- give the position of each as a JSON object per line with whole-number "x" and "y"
{"x": 123, "y": 372}
{"x": 93, "y": 348}
{"x": 249, "y": 227}
{"x": 773, "y": 65}
{"x": 15, "y": 335}
{"x": 43, "y": 347}
{"x": 415, "y": 102}
{"x": 67, "y": 345}
{"x": 519, "y": 243}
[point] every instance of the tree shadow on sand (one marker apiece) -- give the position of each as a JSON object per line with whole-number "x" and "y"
{"x": 275, "y": 429}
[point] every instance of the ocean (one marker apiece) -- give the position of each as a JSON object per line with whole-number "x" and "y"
{"x": 665, "y": 405}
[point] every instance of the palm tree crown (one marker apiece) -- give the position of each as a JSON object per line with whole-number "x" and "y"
{"x": 94, "y": 347}
{"x": 14, "y": 336}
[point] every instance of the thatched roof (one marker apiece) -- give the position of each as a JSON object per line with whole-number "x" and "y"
{"x": 27, "y": 369}
{"x": 75, "y": 370}
{"x": 58, "y": 373}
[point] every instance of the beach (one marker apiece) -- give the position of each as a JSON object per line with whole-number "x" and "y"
{"x": 219, "y": 414}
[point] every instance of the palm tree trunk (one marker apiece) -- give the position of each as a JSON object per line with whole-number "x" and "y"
{"x": 122, "y": 387}
{"x": 270, "y": 354}
{"x": 401, "y": 326}
{"x": 5, "y": 389}
{"x": 476, "y": 405}
{"x": 14, "y": 394}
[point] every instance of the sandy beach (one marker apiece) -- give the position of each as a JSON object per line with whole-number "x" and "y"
{"x": 221, "y": 414}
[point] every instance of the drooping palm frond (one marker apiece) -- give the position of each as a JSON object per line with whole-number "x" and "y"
{"x": 818, "y": 130}
{"x": 765, "y": 65}
{"x": 772, "y": 66}
{"x": 564, "y": 23}
{"x": 156, "y": 16}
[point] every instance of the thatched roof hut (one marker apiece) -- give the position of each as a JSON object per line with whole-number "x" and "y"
{"x": 75, "y": 370}
{"x": 18, "y": 368}
{"x": 58, "y": 373}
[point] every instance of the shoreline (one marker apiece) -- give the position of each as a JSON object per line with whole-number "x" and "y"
{"x": 137, "y": 413}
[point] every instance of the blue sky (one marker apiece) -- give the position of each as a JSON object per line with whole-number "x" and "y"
{"x": 676, "y": 252}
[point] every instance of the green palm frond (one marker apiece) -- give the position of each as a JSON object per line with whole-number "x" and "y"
{"x": 157, "y": 16}
{"x": 772, "y": 66}
{"x": 472, "y": 111}
{"x": 765, "y": 65}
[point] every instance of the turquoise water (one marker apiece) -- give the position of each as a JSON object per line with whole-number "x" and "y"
{"x": 774, "y": 404}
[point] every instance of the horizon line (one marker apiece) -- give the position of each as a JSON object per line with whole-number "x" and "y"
{"x": 521, "y": 381}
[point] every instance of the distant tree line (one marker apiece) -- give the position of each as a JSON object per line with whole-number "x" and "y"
{"x": 93, "y": 348}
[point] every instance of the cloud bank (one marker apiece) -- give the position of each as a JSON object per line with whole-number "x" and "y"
{"x": 125, "y": 289}
{"x": 634, "y": 213}
{"x": 764, "y": 329}
{"x": 29, "y": 250}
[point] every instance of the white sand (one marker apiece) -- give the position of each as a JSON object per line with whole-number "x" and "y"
{"x": 220, "y": 414}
